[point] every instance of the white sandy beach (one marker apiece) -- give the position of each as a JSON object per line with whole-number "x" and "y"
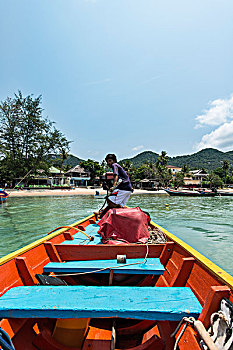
{"x": 72, "y": 192}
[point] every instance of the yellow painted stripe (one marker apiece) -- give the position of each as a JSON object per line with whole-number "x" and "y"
{"x": 39, "y": 241}
{"x": 216, "y": 270}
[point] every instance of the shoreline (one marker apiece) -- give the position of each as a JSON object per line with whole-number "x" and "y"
{"x": 75, "y": 192}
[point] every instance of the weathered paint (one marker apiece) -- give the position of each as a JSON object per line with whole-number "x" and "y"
{"x": 151, "y": 266}
{"x": 151, "y": 303}
{"x": 79, "y": 238}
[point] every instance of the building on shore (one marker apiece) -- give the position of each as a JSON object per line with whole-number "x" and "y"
{"x": 77, "y": 176}
{"x": 195, "y": 177}
{"x": 148, "y": 184}
{"x": 174, "y": 169}
{"x": 55, "y": 178}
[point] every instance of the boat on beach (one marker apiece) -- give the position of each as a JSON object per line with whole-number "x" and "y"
{"x": 84, "y": 286}
{"x": 191, "y": 193}
{"x": 3, "y": 196}
{"x": 97, "y": 195}
{"x": 225, "y": 193}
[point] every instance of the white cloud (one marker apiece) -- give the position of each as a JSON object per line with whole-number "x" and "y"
{"x": 220, "y": 111}
{"x": 220, "y": 138}
{"x": 137, "y": 148}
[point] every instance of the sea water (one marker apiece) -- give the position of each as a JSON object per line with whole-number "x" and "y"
{"x": 206, "y": 224}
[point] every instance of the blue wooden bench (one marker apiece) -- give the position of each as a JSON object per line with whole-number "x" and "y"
{"x": 78, "y": 238}
{"x": 147, "y": 303}
{"x": 152, "y": 266}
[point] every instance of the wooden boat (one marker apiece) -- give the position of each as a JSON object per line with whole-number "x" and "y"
{"x": 99, "y": 196}
{"x": 186, "y": 193}
{"x": 225, "y": 193}
{"x": 191, "y": 193}
{"x": 3, "y": 196}
{"x": 101, "y": 304}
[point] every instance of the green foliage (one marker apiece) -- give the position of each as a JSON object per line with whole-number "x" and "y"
{"x": 162, "y": 159}
{"x": 214, "y": 180}
{"x": 163, "y": 175}
{"x": 26, "y": 138}
{"x": 185, "y": 169}
{"x": 93, "y": 167}
{"x": 208, "y": 158}
{"x": 70, "y": 162}
{"x": 141, "y": 158}
{"x": 225, "y": 167}
{"x": 179, "y": 180}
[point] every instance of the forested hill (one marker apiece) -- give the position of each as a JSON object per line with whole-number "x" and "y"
{"x": 142, "y": 158}
{"x": 71, "y": 161}
{"x": 208, "y": 158}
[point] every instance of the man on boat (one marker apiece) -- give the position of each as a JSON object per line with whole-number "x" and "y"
{"x": 122, "y": 188}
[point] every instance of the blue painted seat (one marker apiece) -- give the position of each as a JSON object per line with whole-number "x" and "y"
{"x": 79, "y": 237}
{"x": 152, "y": 266}
{"x": 147, "y": 303}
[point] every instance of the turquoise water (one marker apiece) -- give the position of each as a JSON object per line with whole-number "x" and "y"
{"x": 204, "y": 223}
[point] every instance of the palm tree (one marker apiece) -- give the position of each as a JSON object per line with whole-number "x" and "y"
{"x": 64, "y": 156}
{"x": 185, "y": 169}
{"x": 225, "y": 167}
{"x": 162, "y": 159}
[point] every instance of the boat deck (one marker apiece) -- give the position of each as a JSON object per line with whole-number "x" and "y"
{"x": 134, "y": 306}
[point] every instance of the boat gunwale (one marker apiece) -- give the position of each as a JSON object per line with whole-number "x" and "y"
{"x": 218, "y": 272}
{"x": 222, "y": 275}
{"x": 36, "y": 243}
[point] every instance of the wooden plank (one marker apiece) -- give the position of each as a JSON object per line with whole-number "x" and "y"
{"x": 150, "y": 267}
{"x": 80, "y": 238}
{"x": 149, "y": 303}
{"x": 102, "y": 251}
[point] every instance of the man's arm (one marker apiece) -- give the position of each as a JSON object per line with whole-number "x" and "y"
{"x": 115, "y": 179}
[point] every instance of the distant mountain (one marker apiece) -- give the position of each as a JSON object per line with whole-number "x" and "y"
{"x": 71, "y": 161}
{"x": 142, "y": 158}
{"x": 208, "y": 158}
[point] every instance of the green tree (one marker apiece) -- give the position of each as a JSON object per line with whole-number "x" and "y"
{"x": 185, "y": 169}
{"x": 127, "y": 165}
{"x": 179, "y": 180}
{"x": 162, "y": 159}
{"x": 93, "y": 167}
{"x": 141, "y": 172}
{"x": 225, "y": 167}
{"x": 214, "y": 180}
{"x": 26, "y": 138}
{"x": 220, "y": 172}
{"x": 163, "y": 175}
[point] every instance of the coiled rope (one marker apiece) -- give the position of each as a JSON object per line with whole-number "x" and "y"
{"x": 91, "y": 238}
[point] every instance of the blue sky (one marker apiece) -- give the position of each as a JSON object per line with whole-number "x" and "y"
{"x": 124, "y": 76}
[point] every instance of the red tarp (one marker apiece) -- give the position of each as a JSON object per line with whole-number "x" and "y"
{"x": 128, "y": 225}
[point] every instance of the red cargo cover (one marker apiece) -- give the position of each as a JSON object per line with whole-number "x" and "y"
{"x": 128, "y": 225}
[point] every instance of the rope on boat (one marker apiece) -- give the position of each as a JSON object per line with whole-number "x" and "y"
{"x": 106, "y": 268}
{"x": 220, "y": 315}
{"x": 199, "y": 327}
{"x": 91, "y": 238}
